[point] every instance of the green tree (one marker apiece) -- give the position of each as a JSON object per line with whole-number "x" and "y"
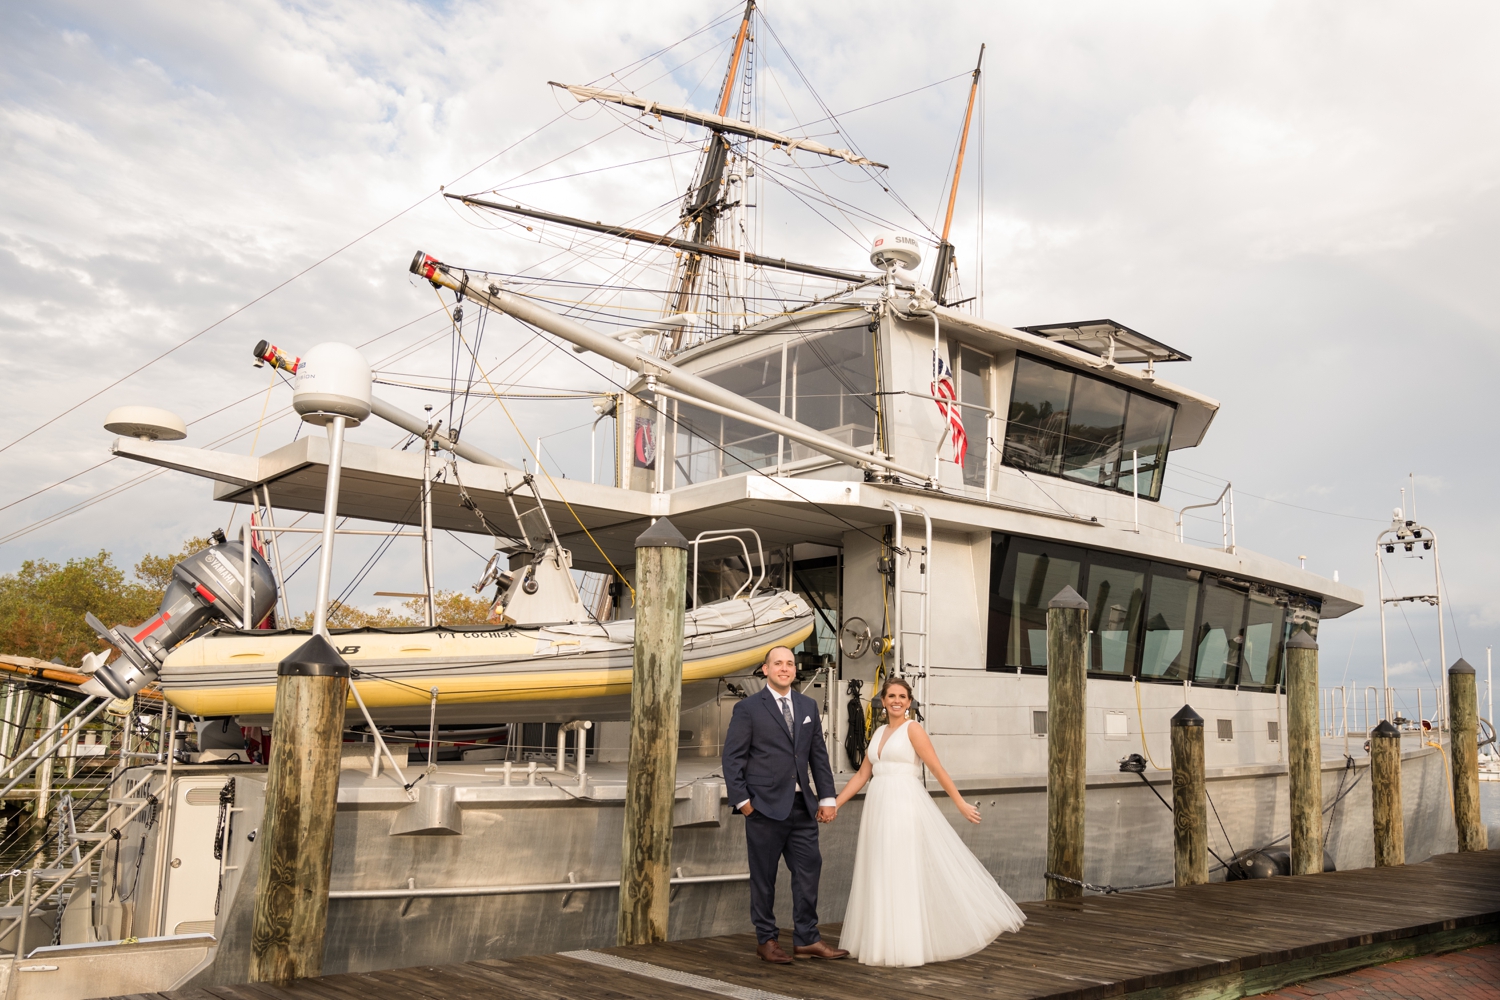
{"x": 42, "y": 604}
{"x": 454, "y": 607}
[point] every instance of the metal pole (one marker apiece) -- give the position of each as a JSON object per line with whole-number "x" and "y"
{"x": 427, "y": 528}
{"x": 1067, "y": 636}
{"x": 1444, "y": 695}
{"x": 247, "y": 597}
{"x": 286, "y": 608}
{"x": 1489, "y": 684}
{"x": 1135, "y": 486}
{"x": 1189, "y": 799}
{"x": 1385, "y": 676}
{"x": 432, "y": 733}
{"x": 330, "y": 518}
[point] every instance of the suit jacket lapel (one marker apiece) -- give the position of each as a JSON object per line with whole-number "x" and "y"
{"x": 770, "y": 702}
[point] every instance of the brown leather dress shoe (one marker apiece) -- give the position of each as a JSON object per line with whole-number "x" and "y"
{"x": 819, "y": 949}
{"x": 771, "y": 952}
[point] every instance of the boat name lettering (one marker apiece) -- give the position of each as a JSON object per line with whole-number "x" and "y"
{"x": 348, "y": 650}
{"x": 509, "y": 634}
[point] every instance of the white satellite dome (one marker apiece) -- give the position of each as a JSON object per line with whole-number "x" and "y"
{"x": 898, "y": 249}
{"x": 149, "y": 423}
{"x": 333, "y": 380}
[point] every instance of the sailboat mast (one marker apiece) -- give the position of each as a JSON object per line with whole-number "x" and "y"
{"x": 703, "y": 209}
{"x": 945, "y": 249}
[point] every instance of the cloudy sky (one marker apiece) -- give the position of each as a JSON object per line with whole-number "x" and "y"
{"x": 1300, "y": 196}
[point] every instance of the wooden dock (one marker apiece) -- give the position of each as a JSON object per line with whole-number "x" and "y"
{"x": 1221, "y": 941}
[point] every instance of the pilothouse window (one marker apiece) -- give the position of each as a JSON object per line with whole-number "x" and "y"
{"x": 1065, "y": 423}
{"x": 829, "y": 384}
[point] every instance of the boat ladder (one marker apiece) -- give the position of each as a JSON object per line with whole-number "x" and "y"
{"x": 911, "y": 641}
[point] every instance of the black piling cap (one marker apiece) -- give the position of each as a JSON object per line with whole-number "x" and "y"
{"x": 1187, "y": 717}
{"x": 661, "y": 535}
{"x": 1068, "y": 598}
{"x": 1461, "y": 667}
{"x": 314, "y": 658}
{"x": 1301, "y": 639}
{"x": 1386, "y": 731}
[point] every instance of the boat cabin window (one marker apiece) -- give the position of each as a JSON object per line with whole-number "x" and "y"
{"x": 974, "y": 387}
{"x": 1155, "y": 621}
{"x": 1171, "y": 612}
{"x": 828, "y": 384}
{"x": 1065, "y": 423}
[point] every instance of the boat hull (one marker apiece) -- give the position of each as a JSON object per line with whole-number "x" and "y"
{"x": 482, "y": 675}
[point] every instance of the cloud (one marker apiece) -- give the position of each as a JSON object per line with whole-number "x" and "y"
{"x": 1301, "y": 197}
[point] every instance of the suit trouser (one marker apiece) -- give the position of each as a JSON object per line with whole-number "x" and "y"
{"x": 795, "y": 839}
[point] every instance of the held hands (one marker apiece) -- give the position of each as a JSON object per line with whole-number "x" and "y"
{"x": 968, "y": 811}
{"x": 827, "y": 814}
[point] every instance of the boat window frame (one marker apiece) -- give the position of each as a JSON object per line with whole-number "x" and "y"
{"x": 1055, "y": 463}
{"x": 1297, "y": 610}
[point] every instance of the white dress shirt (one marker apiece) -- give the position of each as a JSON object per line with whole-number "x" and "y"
{"x": 785, "y": 709}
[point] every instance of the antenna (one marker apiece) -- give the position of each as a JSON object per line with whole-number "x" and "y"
{"x": 945, "y": 248}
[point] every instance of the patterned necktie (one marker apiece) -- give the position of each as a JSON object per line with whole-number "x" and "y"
{"x": 786, "y": 713}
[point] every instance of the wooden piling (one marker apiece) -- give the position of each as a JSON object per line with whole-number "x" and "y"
{"x": 296, "y": 835}
{"x": 1067, "y": 762}
{"x": 1304, "y": 754}
{"x": 1189, "y": 800}
{"x": 1463, "y": 713}
{"x": 1385, "y": 795}
{"x": 655, "y": 711}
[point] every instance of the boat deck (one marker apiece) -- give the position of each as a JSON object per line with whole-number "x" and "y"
{"x": 1222, "y": 940}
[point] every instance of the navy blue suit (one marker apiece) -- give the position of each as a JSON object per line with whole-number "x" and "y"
{"x": 766, "y": 764}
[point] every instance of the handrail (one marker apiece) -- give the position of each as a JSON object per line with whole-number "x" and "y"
{"x": 36, "y": 759}
{"x": 724, "y": 535}
{"x": 28, "y": 904}
{"x": 1226, "y": 518}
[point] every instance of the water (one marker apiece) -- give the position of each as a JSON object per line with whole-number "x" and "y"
{"x": 1489, "y": 804}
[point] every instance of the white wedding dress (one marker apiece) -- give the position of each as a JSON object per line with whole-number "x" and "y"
{"x": 919, "y": 894}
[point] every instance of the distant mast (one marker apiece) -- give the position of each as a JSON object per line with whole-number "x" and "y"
{"x": 944, "y": 265}
{"x": 704, "y": 204}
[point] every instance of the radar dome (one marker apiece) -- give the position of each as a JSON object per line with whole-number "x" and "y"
{"x": 149, "y": 423}
{"x": 332, "y": 380}
{"x": 896, "y": 249}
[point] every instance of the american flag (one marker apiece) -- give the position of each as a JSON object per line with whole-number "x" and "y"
{"x": 943, "y": 388}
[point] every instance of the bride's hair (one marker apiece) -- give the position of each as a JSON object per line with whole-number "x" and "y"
{"x": 896, "y": 680}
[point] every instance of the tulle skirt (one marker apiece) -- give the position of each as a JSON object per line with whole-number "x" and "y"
{"x": 919, "y": 894}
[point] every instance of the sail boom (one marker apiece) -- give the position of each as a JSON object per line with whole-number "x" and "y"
{"x": 718, "y": 123}
{"x": 667, "y": 242}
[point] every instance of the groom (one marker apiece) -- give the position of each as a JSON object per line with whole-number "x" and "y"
{"x": 773, "y": 746}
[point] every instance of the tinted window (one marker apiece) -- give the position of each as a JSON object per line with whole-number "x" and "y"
{"x": 1065, "y": 423}
{"x": 1033, "y": 573}
{"x": 1038, "y": 416}
{"x": 1116, "y": 592}
{"x": 974, "y": 387}
{"x": 1262, "y": 650}
{"x": 1148, "y": 431}
{"x": 1220, "y": 635}
{"x": 1096, "y": 423}
{"x": 1163, "y": 621}
{"x": 1170, "y": 617}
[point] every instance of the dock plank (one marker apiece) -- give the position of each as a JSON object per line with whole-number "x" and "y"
{"x": 1223, "y": 940}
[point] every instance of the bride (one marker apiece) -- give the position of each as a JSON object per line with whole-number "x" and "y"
{"x": 919, "y": 895}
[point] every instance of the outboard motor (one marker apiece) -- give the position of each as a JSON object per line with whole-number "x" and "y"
{"x": 206, "y": 585}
